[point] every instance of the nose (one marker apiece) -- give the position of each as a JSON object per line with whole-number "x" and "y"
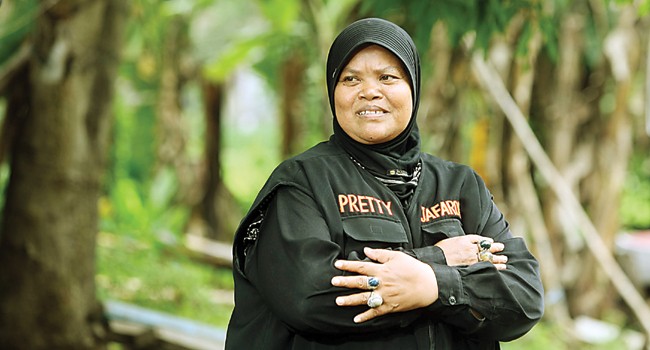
{"x": 370, "y": 91}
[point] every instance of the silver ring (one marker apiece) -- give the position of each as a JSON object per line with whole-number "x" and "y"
{"x": 373, "y": 282}
{"x": 484, "y": 255}
{"x": 374, "y": 300}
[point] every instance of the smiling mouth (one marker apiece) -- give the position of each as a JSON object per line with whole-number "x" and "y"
{"x": 372, "y": 113}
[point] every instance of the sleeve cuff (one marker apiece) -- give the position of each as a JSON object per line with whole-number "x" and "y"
{"x": 430, "y": 255}
{"x": 450, "y": 286}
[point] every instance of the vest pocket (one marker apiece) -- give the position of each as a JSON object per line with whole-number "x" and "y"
{"x": 438, "y": 230}
{"x": 373, "y": 232}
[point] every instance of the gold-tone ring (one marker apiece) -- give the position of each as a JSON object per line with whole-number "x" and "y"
{"x": 485, "y": 255}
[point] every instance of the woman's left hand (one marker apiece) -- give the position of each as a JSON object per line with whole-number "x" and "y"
{"x": 405, "y": 283}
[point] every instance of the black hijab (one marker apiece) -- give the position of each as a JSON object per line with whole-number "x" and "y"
{"x": 399, "y": 157}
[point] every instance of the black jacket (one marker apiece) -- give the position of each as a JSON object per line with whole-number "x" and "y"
{"x": 320, "y": 206}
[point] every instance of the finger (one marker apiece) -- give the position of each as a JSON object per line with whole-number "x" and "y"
{"x": 367, "y": 315}
{"x": 501, "y": 266}
{"x": 499, "y": 259}
{"x": 379, "y": 255}
{"x": 474, "y": 238}
{"x": 360, "y": 267}
{"x": 497, "y": 247}
{"x": 359, "y": 282}
{"x": 353, "y": 299}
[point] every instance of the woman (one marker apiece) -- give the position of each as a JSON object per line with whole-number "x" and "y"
{"x": 365, "y": 242}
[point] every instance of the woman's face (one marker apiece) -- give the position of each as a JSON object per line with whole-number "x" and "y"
{"x": 372, "y": 98}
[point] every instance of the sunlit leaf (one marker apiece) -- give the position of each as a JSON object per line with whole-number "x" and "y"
{"x": 16, "y": 21}
{"x": 240, "y": 52}
{"x": 283, "y": 14}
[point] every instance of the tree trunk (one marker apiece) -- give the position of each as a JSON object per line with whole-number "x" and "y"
{"x": 611, "y": 147}
{"x": 590, "y": 148}
{"x": 293, "y": 73}
{"x": 172, "y": 129}
{"x": 214, "y": 215}
{"x": 441, "y": 114}
{"x": 522, "y": 195}
{"x": 47, "y": 242}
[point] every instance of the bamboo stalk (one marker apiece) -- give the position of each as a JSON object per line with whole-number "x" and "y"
{"x": 492, "y": 83}
{"x": 647, "y": 93}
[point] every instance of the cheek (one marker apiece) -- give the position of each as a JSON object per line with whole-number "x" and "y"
{"x": 343, "y": 102}
{"x": 405, "y": 104}
{"x": 339, "y": 98}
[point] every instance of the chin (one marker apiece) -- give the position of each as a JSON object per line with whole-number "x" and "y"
{"x": 372, "y": 140}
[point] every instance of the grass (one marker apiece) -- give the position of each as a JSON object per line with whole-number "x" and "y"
{"x": 160, "y": 277}
{"x": 547, "y": 335}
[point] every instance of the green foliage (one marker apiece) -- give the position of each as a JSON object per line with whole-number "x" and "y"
{"x": 138, "y": 199}
{"x": 127, "y": 209}
{"x": 140, "y": 193}
{"x": 549, "y": 29}
{"x": 283, "y": 14}
{"x": 548, "y": 335}
{"x": 484, "y": 18}
{"x": 224, "y": 52}
{"x": 143, "y": 272}
{"x": 16, "y": 21}
{"x": 248, "y": 160}
{"x": 635, "y": 202}
{"x": 225, "y": 64}
{"x": 644, "y": 8}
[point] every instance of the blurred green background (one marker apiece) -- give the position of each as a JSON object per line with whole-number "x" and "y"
{"x": 211, "y": 95}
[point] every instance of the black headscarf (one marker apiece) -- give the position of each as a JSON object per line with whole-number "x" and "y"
{"x": 401, "y": 155}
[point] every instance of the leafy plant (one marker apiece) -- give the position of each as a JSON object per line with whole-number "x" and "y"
{"x": 635, "y": 202}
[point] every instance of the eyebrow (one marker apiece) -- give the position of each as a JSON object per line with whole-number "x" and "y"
{"x": 384, "y": 69}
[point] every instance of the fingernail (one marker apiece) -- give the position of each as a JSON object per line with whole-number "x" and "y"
{"x": 338, "y": 264}
{"x": 340, "y": 301}
{"x": 357, "y": 319}
{"x": 336, "y": 281}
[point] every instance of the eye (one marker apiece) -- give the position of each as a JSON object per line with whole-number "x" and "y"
{"x": 349, "y": 78}
{"x": 388, "y": 77}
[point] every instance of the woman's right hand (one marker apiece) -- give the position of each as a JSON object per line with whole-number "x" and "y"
{"x": 404, "y": 283}
{"x": 463, "y": 250}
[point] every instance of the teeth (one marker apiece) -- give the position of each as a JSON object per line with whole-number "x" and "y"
{"x": 371, "y": 112}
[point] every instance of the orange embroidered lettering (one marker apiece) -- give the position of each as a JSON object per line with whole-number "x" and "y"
{"x": 440, "y": 209}
{"x": 363, "y": 204}
{"x": 387, "y": 205}
{"x": 343, "y": 201}
{"x": 355, "y": 203}
{"x": 379, "y": 207}
{"x": 436, "y": 210}
{"x": 444, "y": 210}
{"x": 430, "y": 215}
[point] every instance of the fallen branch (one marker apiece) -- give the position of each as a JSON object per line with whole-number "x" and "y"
{"x": 142, "y": 328}
{"x": 214, "y": 252}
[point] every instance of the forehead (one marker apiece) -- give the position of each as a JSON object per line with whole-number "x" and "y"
{"x": 374, "y": 54}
